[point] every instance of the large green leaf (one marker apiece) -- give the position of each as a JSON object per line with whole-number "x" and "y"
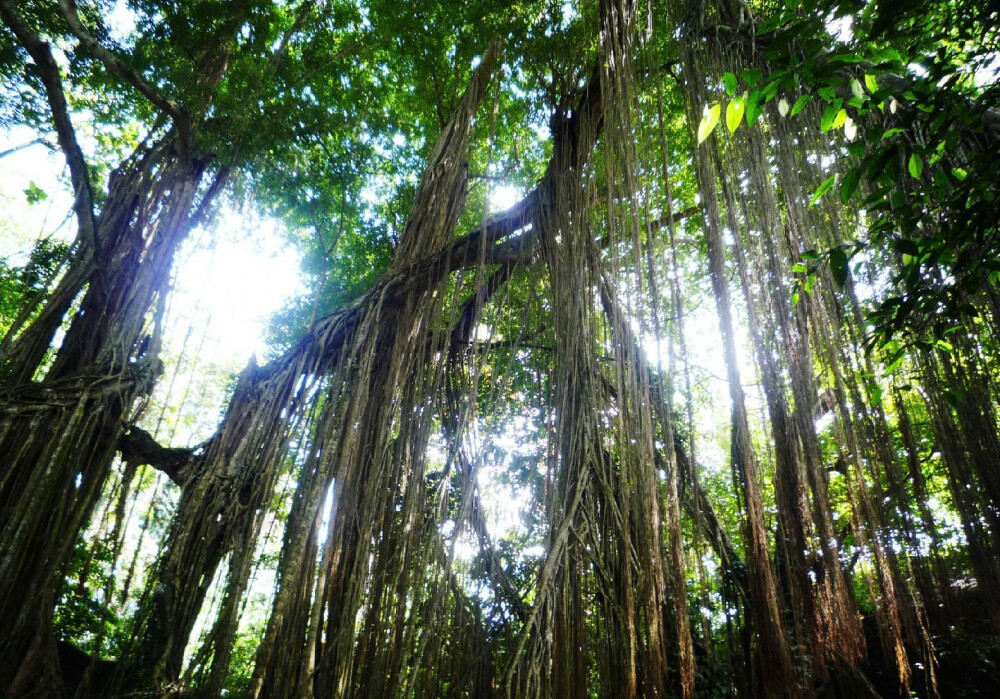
{"x": 800, "y": 104}
{"x": 730, "y": 83}
{"x": 831, "y": 115}
{"x": 823, "y": 189}
{"x": 709, "y": 122}
{"x": 838, "y": 266}
{"x": 850, "y": 184}
{"x": 734, "y": 113}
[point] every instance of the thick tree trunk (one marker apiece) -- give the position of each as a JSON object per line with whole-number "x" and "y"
{"x": 58, "y": 437}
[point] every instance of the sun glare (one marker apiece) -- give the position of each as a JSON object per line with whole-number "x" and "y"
{"x": 504, "y": 197}
{"x": 235, "y": 283}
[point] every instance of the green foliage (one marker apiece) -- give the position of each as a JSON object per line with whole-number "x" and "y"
{"x": 911, "y": 81}
{"x": 838, "y": 266}
{"x": 825, "y": 187}
{"x": 331, "y": 138}
{"x": 33, "y": 194}
{"x": 849, "y": 185}
{"x": 84, "y": 615}
{"x": 730, "y": 83}
{"x": 21, "y": 286}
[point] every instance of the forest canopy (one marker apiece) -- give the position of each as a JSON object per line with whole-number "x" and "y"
{"x": 640, "y": 349}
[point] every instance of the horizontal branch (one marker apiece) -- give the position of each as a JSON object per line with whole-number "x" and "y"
{"x": 32, "y": 398}
{"x": 137, "y": 447}
{"x": 662, "y": 222}
{"x": 16, "y": 149}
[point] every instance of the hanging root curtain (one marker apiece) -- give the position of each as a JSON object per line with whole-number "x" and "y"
{"x": 814, "y": 566}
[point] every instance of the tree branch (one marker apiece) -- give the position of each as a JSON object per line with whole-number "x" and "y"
{"x": 138, "y": 447}
{"x": 118, "y": 68}
{"x": 41, "y": 54}
{"x": 16, "y": 149}
{"x": 300, "y": 15}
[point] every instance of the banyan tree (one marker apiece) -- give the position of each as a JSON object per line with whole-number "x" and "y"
{"x": 483, "y": 456}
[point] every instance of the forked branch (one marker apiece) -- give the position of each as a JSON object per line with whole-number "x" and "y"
{"x": 121, "y": 71}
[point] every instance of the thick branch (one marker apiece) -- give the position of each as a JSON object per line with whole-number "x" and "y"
{"x": 118, "y": 68}
{"x": 138, "y": 447}
{"x": 41, "y": 54}
{"x": 662, "y": 222}
{"x": 471, "y": 309}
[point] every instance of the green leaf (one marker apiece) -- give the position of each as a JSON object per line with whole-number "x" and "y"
{"x": 709, "y": 122}
{"x": 838, "y": 266}
{"x": 856, "y": 88}
{"x": 751, "y": 76}
{"x": 850, "y": 184}
{"x": 954, "y": 397}
{"x": 730, "y": 83}
{"x": 823, "y": 189}
{"x": 753, "y": 105}
{"x": 34, "y": 194}
{"x": 827, "y": 93}
{"x": 734, "y": 113}
{"x": 940, "y": 180}
{"x": 830, "y": 115}
{"x": 800, "y": 104}
{"x": 826, "y": 121}
{"x": 871, "y": 83}
{"x": 916, "y": 165}
{"x": 772, "y": 23}
{"x": 894, "y": 361}
{"x": 887, "y": 55}
{"x": 876, "y": 392}
{"x": 846, "y": 57}
{"x": 959, "y": 174}
{"x": 840, "y": 119}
